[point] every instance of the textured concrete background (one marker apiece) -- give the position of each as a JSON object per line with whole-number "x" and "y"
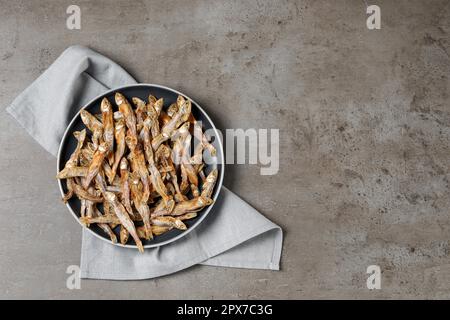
{"x": 364, "y": 125}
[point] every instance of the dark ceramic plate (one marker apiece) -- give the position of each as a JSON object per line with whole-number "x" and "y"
{"x": 68, "y": 144}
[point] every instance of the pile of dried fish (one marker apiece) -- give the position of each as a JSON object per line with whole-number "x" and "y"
{"x": 136, "y": 165}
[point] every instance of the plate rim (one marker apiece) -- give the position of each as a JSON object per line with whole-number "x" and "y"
{"x": 219, "y": 182}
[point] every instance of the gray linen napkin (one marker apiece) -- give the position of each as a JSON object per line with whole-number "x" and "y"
{"x": 233, "y": 235}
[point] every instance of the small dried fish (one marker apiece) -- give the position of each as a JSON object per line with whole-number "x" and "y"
{"x": 107, "y": 211}
{"x": 70, "y": 172}
{"x": 108, "y": 128}
{"x": 157, "y": 104}
{"x": 90, "y": 204}
{"x": 100, "y": 184}
{"x": 138, "y": 164}
{"x": 187, "y": 216}
{"x": 153, "y": 111}
{"x": 202, "y": 139}
{"x": 192, "y": 205}
{"x": 184, "y": 109}
{"x": 155, "y": 176}
{"x": 124, "y": 184}
{"x": 178, "y": 147}
{"x": 108, "y": 171}
{"x": 164, "y": 155}
{"x": 92, "y": 211}
{"x": 96, "y": 163}
{"x": 70, "y": 192}
{"x": 106, "y": 227}
{"x": 81, "y": 137}
{"x": 90, "y": 121}
{"x": 181, "y": 208}
{"x": 128, "y": 114}
{"x": 83, "y": 194}
{"x": 185, "y": 158}
{"x": 124, "y": 218}
{"x": 94, "y": 125}
{"x": 141, "y": 206}
{"x": 198, "y": 146}
{"x": 73, "y": 162}
{"x": 119, "y": 133}
{"x": 109, "y": 218}
{"x": 166, "y": 221}
{"x": 208, "y": 186}
{"x": 124, "y": 235}
{"x": 156, "y": 230}
{"x": 172, "y": 109}
{"x": 141, "y": 108}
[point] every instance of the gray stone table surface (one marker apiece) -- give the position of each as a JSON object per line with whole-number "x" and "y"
{"x": 364, "y": 123}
